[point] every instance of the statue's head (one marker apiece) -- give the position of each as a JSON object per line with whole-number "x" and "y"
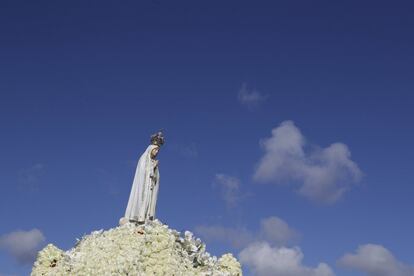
{"x": 154, "y": 152}
{"x": 157, "y": 139}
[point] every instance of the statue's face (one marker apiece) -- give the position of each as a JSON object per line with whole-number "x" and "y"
{"x": 154, "y": 152}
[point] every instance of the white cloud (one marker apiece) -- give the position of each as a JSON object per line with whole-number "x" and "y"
{"x": 229, "y": 187}
{"x": 272, "y": 230}
{"x": 375, "y": 260}
{"x": 236, "y": 237}
{"x": 276, "y": 231}
{"x": 323, "y": 174}
{"x": 263, "y": 251}
{"x": 250, "y": 98}
{"x": 22, "y": 245}
{"x": 265, "y": 260}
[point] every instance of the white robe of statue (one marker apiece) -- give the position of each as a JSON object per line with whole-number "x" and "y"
{"x": 143, "y": 196}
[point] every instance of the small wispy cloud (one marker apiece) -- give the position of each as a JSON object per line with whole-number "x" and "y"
{"x": 375, "y": 260}
{"x": 29, "y": 177}
{"x": 23, "y": 245}
{"x": 323, "y": 175}
{"x": 273, "y": 230}
{"x": 108, "y": 182}
{"x": 251, "y": 98}
{"x": 4, "y": 274}
{"x": 229, "y": 188}
{"x": 236, "y": 237}
{"x": 186, "y": 150}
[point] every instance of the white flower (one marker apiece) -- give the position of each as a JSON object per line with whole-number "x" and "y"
{"x": 146, "y": 249}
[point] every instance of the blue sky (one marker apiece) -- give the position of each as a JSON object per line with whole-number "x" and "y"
{"x": 84, "y": 84}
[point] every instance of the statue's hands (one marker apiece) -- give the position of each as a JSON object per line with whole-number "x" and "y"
{"x": 156, "y": 163}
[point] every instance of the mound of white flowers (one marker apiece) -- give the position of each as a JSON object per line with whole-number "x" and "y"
{"x": 148, "y": 249}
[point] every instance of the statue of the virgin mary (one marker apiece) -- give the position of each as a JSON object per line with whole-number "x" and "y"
{"x": 143, "y": 197}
